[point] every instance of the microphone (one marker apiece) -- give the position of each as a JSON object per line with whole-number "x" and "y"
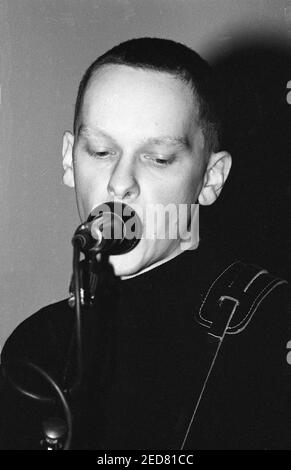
{"x": 112, "y": 227}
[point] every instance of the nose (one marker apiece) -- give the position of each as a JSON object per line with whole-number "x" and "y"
{"x": 123, "y": 183}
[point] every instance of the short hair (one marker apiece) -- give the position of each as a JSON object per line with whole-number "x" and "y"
{"x": 165, "y": 55}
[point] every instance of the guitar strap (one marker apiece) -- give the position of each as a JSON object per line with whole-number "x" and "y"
{"x": 227, "y": 309}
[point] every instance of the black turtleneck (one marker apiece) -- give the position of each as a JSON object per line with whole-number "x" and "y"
{"x": 145, "y": 360}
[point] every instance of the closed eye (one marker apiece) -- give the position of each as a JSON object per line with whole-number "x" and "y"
{"x": 102, "y": 154}
{"x": 158, "y": 161}
{"x": 99, "y": 154}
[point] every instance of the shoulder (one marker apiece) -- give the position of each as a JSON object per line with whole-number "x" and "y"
{"x": 252, "y": 305}
{"x": 42, "y": 334}
{"x": 250, "y": 279}
{"x": 241, "y": 289}
{"x": 249, "y": 387}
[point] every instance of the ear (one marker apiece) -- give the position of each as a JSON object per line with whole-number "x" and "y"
{"x": 67, "y": 152}
{"x": 216, "y": 174}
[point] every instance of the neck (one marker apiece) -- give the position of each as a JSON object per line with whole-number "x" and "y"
{"x": 174, "y": 254}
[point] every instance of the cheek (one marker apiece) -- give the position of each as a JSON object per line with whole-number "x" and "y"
{"x": 179, "y": 188}
{"x": 83, "y": 181}
{"x": 88, "y": 174}
{"x": 90, "y": 187}
{"x": 192, "y": 187}
{"x": 192, "y": 182}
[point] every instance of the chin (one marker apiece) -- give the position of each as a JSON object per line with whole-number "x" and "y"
{"x": 140, "y": 258}
{"x": 128, "y": 264}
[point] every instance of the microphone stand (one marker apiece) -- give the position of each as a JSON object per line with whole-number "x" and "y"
{"x": 93, "y": 272}
{"x": 57, "y": 432}
{"x": 90, "y": 274}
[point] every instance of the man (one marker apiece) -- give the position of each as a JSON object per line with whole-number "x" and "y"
{"x": 147, "y": 133}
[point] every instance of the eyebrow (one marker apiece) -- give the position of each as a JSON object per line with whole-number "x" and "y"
{"x": 163, "y": 140}
{"x": 87, "y": 132}
{"x": 168, "y": 140}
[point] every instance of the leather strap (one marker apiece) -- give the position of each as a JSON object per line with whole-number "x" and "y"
{"x": 238, "y": 290}
{"x": 227, "y": 308}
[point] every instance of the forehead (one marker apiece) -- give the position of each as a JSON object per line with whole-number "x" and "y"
{"x": 120, "y": 98}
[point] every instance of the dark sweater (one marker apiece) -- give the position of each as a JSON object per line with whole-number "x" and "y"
{"x": 146, "y": 356}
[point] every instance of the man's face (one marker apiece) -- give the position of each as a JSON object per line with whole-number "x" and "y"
{"x": 138, "y": 142}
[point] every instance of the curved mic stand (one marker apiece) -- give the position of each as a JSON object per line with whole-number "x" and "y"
{"x": 53, "y": 439}
{"x": 57, "y": 434}
{"x": 48, "y": 440}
